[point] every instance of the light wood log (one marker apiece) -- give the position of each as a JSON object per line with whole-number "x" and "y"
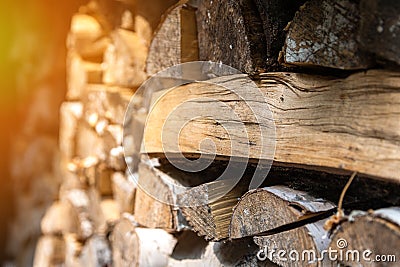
{"x": 377, "y": 232}
{"x": 175, "y": 41}
{"x": 133, "y": 135}
{"x": 322, "y": 34}
{"x": 96, "y": 252}
{"x": 349, "y": 124}
{"x": 379, "y": 28}
{"x": 50, "y": 251}
{"x": 134, "y": 246}
{"x": 124, "y": 192}
{"x": 125, "y": 59}
{"x": 70, "y": 114}
{"x": 51, "y": 223}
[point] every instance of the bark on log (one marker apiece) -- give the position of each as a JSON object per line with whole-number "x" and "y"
{"x": 321, "y": 123}
{"x": 380, "y": 28}
{"x": 322, "y": 34}
{"x": 175, "y": 41}
{"x": 377, "y": 232}
{"x": 134, "y": 246}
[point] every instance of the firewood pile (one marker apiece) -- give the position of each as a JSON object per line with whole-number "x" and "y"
{"x": 325, "y": 73}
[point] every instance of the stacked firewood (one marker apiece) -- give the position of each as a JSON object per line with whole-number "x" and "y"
{"x": 327, "y": 71}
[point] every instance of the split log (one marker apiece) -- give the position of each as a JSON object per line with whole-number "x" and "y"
{"x": 232, "y": 32}
{"x": 96, "y": 252}
{"x": 70, "y": 114}
{"x": 133, "y": 135}
{"x": 380, "y": 28}
{"x": 175, "y": 41}
{"x": 111, "y": 215}
{"x": 51, "y": 223}
{"x": 321, "y": 123}
{"x": 367, "y": 238}
{"x": 125, "y": 59}
{"x": 124, "y": 192}
{"x": 155, "y": 200}
{"x": 134, "y": 246}
{"x": 73, "y": 249}
{"x": 80, "y": 73}
{"x": 50, "y": 251}
{"x": 87, "y": 38}
{"x": 322, "y": 34}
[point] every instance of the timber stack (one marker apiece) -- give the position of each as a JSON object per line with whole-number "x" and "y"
{"x": 325, "y": 73}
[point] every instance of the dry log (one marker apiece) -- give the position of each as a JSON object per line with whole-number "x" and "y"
{"x": 96, "y": 252}
{"x": 125, "y": 59}
{"x": 70, "y": 114}
{"x": 368, "y": 239}
{"x": 175, "y": 41}
{"x": 322, "y": 34}
{"x": 80, "y": 73}
{"x": 232, "y": 32}
{"x": 73, "y": 249}
{"x": 134, "y": 246}
{"x": 50, "y": 251}
{"x": 155, "y": 200}
{"x": 124, "y": 192}
{"x": 111, "y": 215}
{"x": 380, "y": 28}
{"x": 51, "y": 223}
{"x": 87, "y": 38}
{"x": 322, "y": 123}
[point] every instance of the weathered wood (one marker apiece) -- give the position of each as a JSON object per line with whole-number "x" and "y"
{"x": 232, "y": 32}
{"x": 322, "y": 34}
{"x": 134, "y": 246}
{"x": 378, "y": 232}
{"x": 155, "y": 200}
{"x": 50, "y": 251}
{"x": 346, "y": 124}
{"x": 379, "y": 31}
{"x": 125, "y": 59}
{"x": 175, "y": 41}
{"x": 80, "y": 73}
{"x": 124, "y": 192}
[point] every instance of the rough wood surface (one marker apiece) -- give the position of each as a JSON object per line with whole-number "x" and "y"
{"x": 380, "y": 28}
{"x": 378, "y": 232}
{"x": 175, "y": 41}
{"x": 323, "y": 34}
{"x": 134, "y": 246}
{"x": 232, "y": 32}
{"x": 345, "y": 124}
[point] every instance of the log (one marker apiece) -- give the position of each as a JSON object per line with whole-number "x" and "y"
{"x": 133, "y": 246}
{"x": 232, "y": 32}
{"x": 70, "y": 113}
{"x": 335, "y": 125}
{"x": 379, "y": 31}
{"x": 155, "y": 200}
{"x": 175, "y": 41}
{"x": 51, "y": 223}
{"x": 111, "y": 215}
{"x": 80, "y": 73}
{"x": 367, "y": 238}
{"x": 275, "y": 214}
{"x": 96, "y": 252}
{"x": 124, "y": 192}
{"x": 265, "y": 209}
{"x": 322, "y": 34}
{"x": 50, "y": 251}
{"x": 125, "y": 59}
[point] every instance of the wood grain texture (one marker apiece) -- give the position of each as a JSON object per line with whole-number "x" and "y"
{"x": 380, "y": 28}
{"x": 323, "y": 34}
{"x": 349, "y": 124}
{"x": 378, "y": 232}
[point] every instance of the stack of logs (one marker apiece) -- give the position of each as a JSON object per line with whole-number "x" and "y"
{"x": 328, "y": 70}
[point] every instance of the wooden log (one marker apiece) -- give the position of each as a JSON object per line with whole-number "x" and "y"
{"x": 50, "y": 251}
{"x": 125, "y": 59}
{"x": 175, "y": 41}
{"x": 263, "y": 210}
{"x": 96, "y": 252}
{"x": 111, "y": 215}
{"x": 232, "y": 32}
{"x": 87, "y": 38}
{"x": 70, "y": 113}
{"x": 134, "y": 246}
{"x": 73, "y": 249}
{"x": 322, "y": 34}
{"x": 133, "y": 135}
{"x": 155, "y": 200}
{"x": 354, "y": 119}
{"x": 379, "y": 31}
{"x": 51, "y": 223}
{"x": 124, "y": 192}
{"x": 80, "y": 73}
{"x": 367, "y": 238}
